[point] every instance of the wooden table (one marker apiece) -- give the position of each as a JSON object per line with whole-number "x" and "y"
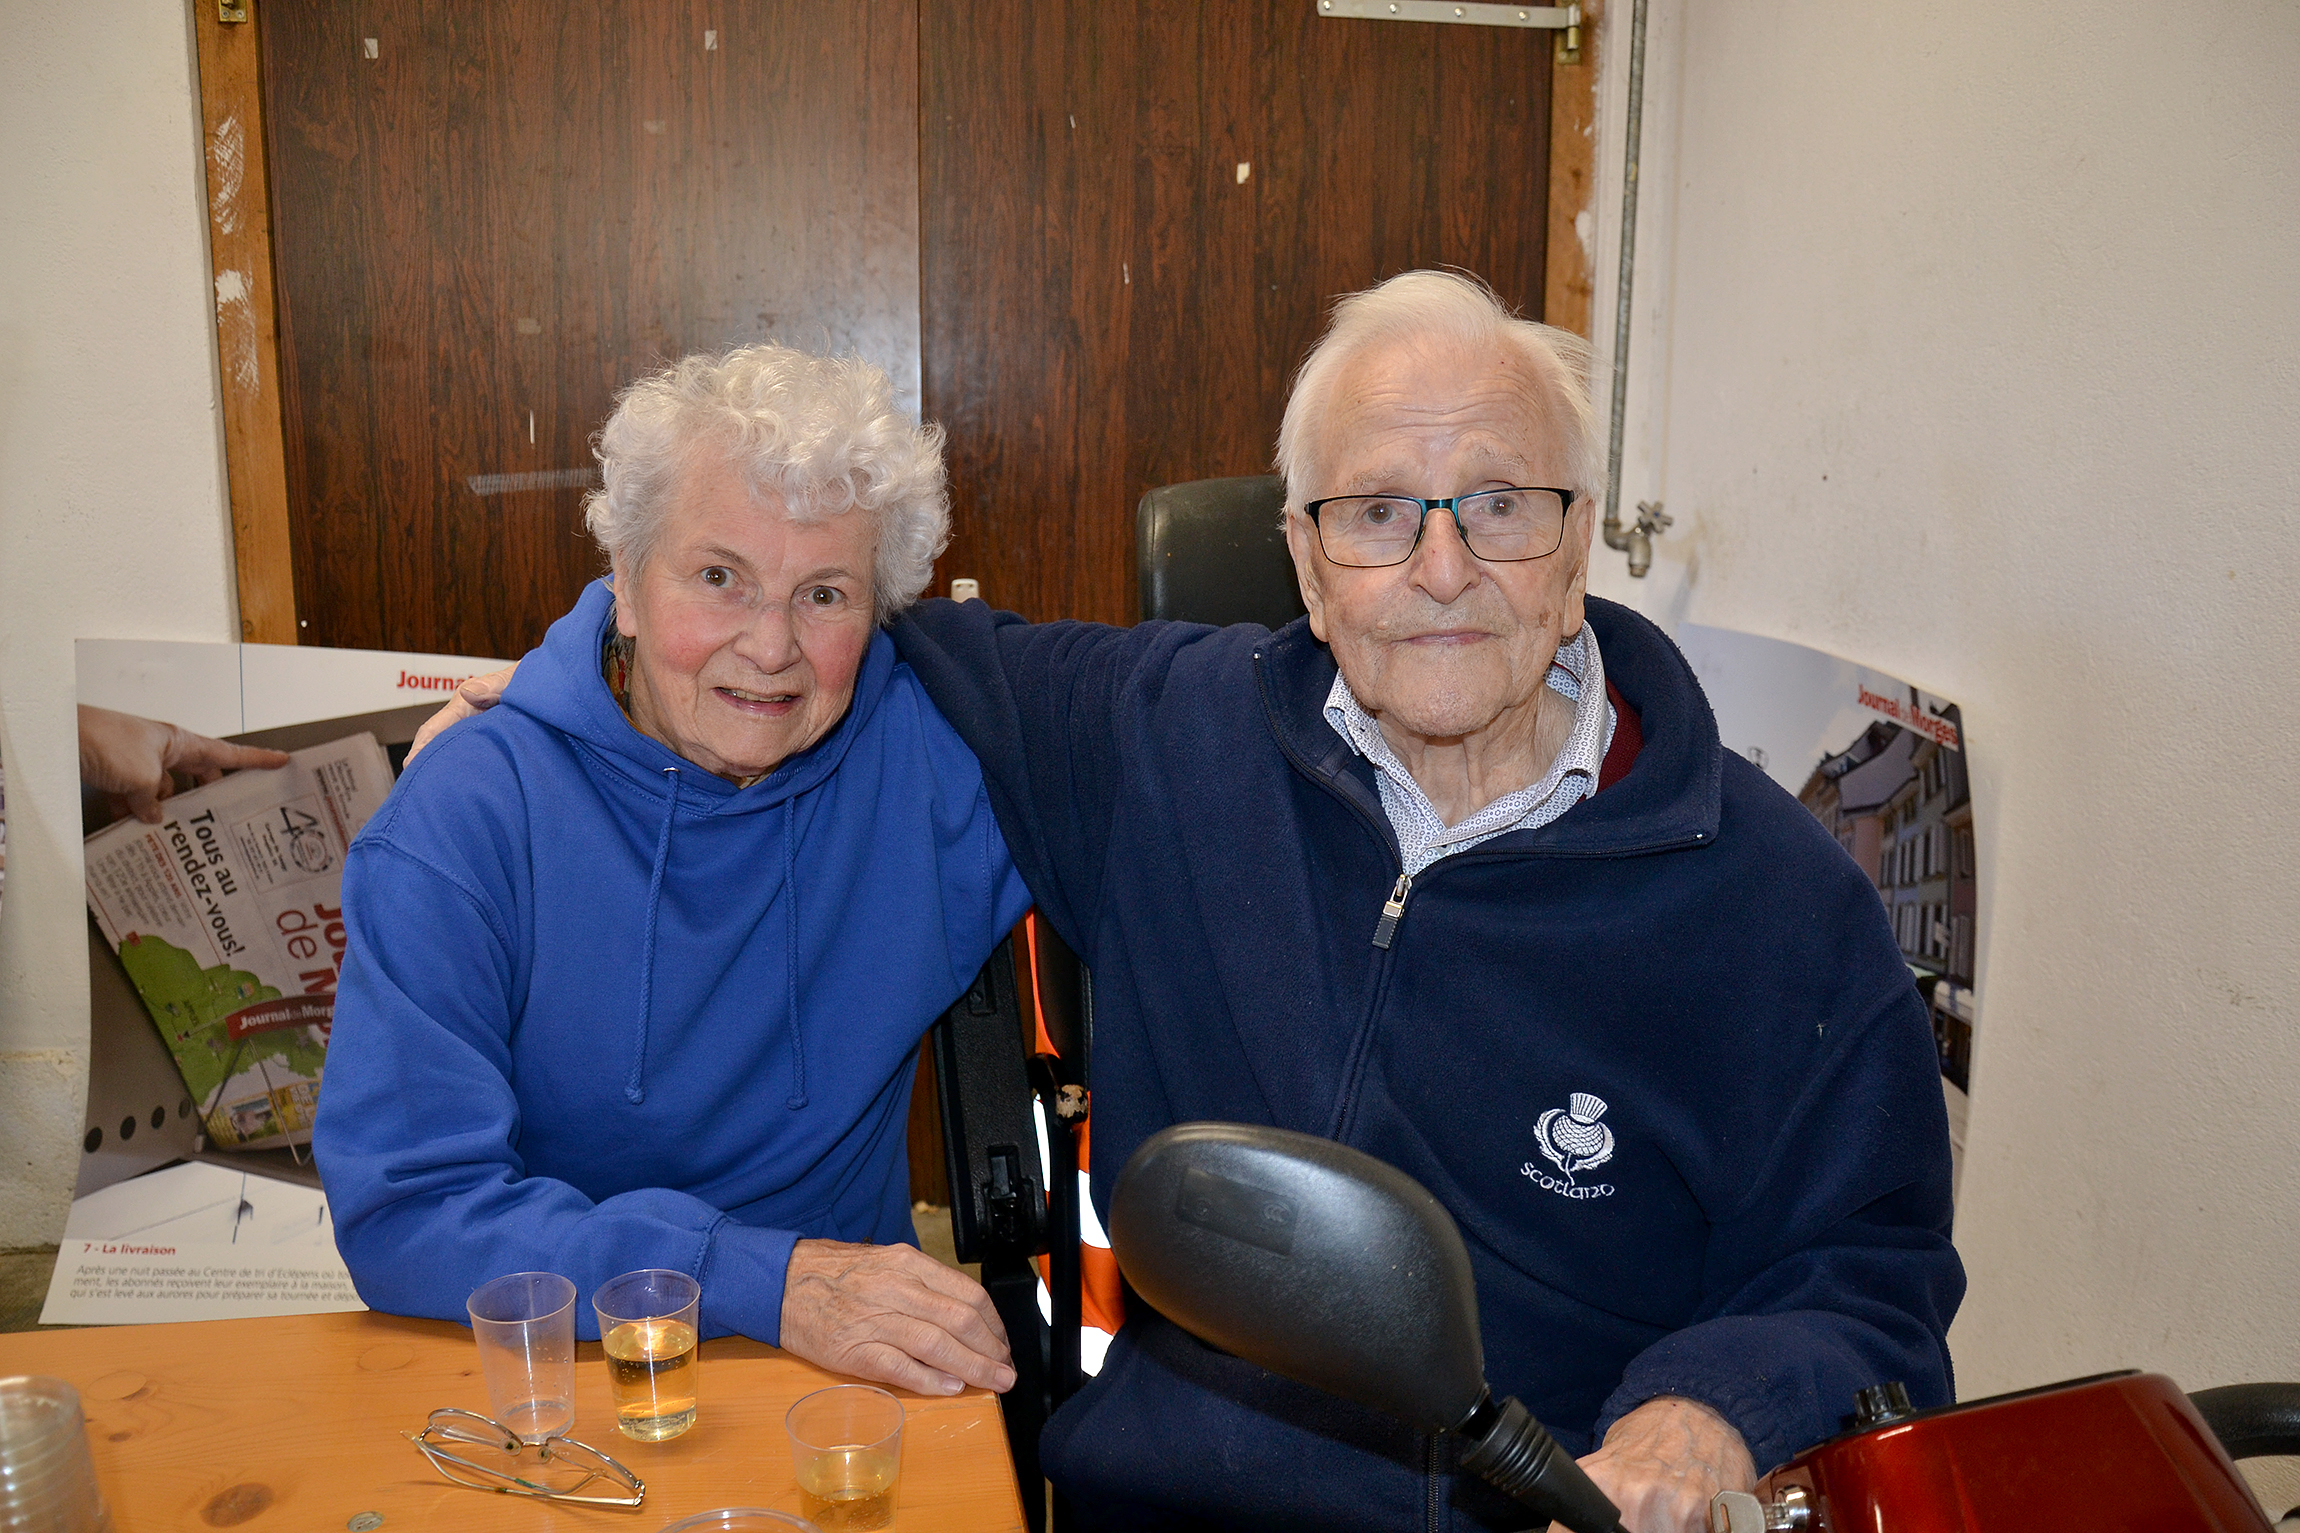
{"x": 292, "y": 1425}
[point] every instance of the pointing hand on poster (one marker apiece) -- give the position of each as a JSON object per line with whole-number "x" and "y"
{"x": 134, "y": 762}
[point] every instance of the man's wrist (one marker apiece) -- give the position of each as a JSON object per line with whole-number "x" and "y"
{"x": 1701, "y": 1429}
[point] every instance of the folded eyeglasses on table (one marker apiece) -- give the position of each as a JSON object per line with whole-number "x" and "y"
{"x": 483, "y": 1453}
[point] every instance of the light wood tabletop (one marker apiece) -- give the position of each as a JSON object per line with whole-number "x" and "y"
{"x": 292, "y": 1425}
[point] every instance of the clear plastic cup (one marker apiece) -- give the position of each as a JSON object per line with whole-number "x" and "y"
{"x": 648, "y": 1328}
{"x": 47, "y": 1478}
{"x": 846, "y": 1447}
{"x": 525, "y": 1327}
{"x": 742, "y": 1519}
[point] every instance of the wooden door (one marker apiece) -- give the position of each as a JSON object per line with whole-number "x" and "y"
{"x": 1133, "y": 220}
{"x": 490, "y": 214}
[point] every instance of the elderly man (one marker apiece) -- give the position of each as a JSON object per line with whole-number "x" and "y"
{"x": 1455, "y": 871}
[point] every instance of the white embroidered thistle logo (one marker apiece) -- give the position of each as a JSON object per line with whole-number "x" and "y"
{"x": 1572, "y": 1139}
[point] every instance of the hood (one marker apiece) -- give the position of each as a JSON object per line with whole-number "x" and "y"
{"x": 1670, "y": 797}
{"x": 559, "y": 683}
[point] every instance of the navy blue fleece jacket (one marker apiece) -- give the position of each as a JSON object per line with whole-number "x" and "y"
{"x": 602, "y": 1010}
{"x": 1660, "y": 1058}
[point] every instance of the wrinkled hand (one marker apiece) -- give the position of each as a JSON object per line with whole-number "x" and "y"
{"x": 895, "y": 1315}
{"x": 134, "y": 762}
{"x": 1663, "y": 1461}
{"x": 474, "y": 697}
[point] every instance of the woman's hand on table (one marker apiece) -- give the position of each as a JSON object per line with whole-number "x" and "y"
{"x": 893, "y": 1315}
{"x": 473, "y": 698}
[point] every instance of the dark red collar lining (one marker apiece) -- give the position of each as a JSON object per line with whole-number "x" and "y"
{"x": 1628, "y": 738}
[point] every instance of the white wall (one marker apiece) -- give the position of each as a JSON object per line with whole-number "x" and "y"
{"x": 113, "y": 521}
{"x": 1969, "y": 348}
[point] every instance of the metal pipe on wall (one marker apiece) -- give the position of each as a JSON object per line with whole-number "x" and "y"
{"x": 1636, "y": 541}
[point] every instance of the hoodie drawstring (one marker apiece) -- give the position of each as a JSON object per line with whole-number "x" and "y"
{"x": 798, "y": 1096}
{"x": 635, "y": 1089}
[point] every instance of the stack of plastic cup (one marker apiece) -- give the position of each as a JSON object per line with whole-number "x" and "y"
{"x": 525, "y": 1327}
{"x": 47, "y": 1479}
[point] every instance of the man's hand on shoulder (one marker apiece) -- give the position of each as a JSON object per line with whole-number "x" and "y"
{"x": 894, "y": 1315}
{"x": 1663, "y": 1461}
{"x": 473, "y": 698}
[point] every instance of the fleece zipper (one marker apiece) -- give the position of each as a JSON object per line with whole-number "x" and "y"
{"x": 1393, "y": 911}
{"x": 1433, "y": 1459}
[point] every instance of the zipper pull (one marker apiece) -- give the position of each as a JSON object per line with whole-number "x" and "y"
{"x": 1393, "y": 909}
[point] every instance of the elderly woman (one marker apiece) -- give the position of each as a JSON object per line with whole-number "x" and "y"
{"x": 639, "y": 962}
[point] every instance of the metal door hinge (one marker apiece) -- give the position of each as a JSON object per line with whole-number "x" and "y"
{"x": 1549, "y": 17}
{"x": 230, "y": 12}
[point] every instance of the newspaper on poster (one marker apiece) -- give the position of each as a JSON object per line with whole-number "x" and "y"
{"x": 228, "y": 917}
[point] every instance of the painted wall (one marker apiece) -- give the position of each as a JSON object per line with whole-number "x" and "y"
{"x": 1968, "y": 347}
{"x": 112, "y": 513}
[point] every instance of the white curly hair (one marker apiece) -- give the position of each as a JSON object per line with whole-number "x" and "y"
{"x": 1422, "y": 306}
{"x": 820, "y": 432}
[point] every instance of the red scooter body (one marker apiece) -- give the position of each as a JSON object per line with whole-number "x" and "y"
{"x": 2119, "y": 1453}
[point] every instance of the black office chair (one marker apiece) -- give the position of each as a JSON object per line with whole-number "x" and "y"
{"x": 1212, "y": 551}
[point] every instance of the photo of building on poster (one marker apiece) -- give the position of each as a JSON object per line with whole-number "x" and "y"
{"x": 1883, "y": 766}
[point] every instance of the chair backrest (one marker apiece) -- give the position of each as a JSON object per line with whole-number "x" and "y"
{"x": 1211, "y": 551}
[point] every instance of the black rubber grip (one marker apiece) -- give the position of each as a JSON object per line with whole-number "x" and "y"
{"x": 2252, "y": 1420}
{"x": 1518, "y": 1457}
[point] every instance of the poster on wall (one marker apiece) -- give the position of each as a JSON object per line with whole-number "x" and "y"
{"x": 1883, "y": 766}
{"x": 221, "y": 786}
{"x": 214, "y": 901}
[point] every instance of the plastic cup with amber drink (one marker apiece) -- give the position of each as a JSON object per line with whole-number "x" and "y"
{"x": 647, "y": 1327}
{"x": 846, "y": 1446}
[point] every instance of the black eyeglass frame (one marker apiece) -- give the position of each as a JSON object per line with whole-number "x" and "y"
{"x": 1565, "y": 498}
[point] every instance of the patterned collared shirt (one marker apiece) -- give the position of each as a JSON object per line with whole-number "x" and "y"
{"x": 1577, "y": 673}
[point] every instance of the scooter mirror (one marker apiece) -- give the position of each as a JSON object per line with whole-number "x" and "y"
{"x": 1309, "y": 1259}
{"x": 1322, "y": 1264}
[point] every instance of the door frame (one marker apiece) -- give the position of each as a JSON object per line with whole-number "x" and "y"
{"x": 247, "y": 320}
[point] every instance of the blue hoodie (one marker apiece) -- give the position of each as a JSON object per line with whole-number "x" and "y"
{"x": 602, "y": 1010}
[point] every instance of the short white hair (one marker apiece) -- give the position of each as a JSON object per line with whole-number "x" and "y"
{"x": 1419, "y": 307}
{"x": 820, "y": 432}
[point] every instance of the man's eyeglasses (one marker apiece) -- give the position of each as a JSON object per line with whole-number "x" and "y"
{"x": 1498, "y": 526}
{"x": 483, "y": 1453}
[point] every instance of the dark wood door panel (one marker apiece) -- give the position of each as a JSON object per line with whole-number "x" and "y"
{"x": 1107, "y": 307}
{"x": 514, "y": 207}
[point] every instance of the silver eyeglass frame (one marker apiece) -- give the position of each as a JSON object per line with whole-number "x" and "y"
{"x": 451, "y": 1425}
